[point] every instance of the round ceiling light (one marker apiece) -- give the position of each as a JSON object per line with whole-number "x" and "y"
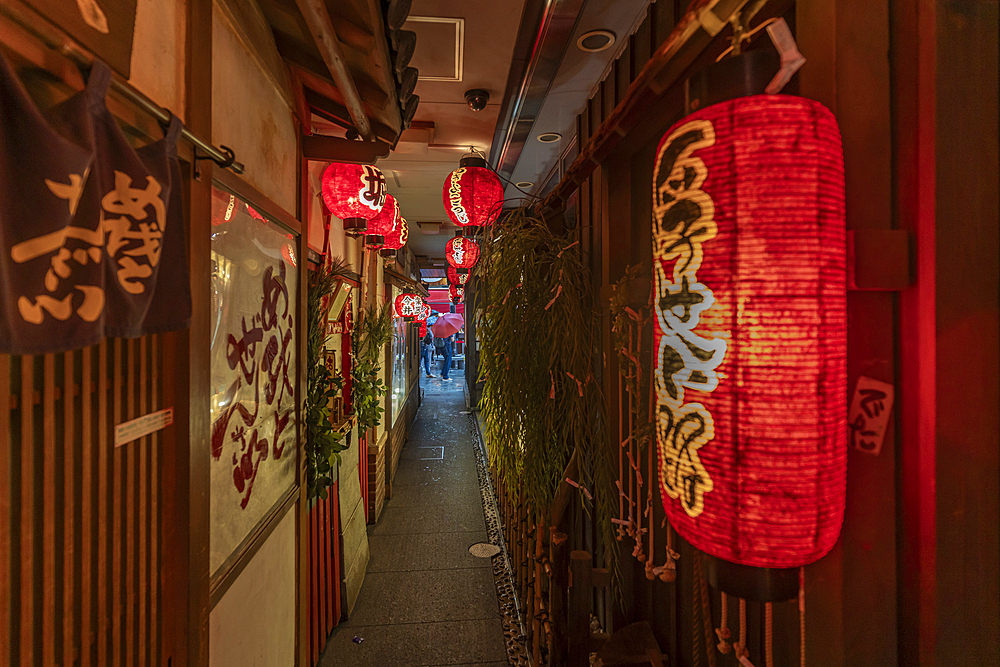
{"x": 524, "y": 184}
{"x": 549, "y": 137}
{"x": 595, "y": 40}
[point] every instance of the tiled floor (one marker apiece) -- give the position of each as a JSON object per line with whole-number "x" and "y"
{"x": 426, "y": 601}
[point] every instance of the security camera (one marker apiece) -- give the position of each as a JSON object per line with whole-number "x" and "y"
{"x": 477, "y": 98}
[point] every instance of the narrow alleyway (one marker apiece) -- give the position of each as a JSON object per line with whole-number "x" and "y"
{"x": 426, "y": 600}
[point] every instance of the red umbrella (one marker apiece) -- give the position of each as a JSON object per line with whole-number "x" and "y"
{"x": 447, "y": 324}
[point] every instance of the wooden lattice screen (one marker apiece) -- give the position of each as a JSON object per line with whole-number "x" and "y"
{"x": 80, "y": 517}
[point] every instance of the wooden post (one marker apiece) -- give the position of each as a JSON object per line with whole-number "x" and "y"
{"x": 580, "y": 595}
{"x": 537, "y": 606}
{"x": 558, "y": 584}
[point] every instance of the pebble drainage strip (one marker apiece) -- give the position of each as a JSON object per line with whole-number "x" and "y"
{"x": 510, "y": 614}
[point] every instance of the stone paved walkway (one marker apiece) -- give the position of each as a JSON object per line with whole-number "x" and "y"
{"x": 426, "y": 601}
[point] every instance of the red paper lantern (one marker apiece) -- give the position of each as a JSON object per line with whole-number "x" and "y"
{"x": 462, "y": 253}
{"x": 224, "y": 207}
{"x": 472, "y": 194}
{"x": 407, "y": 305}
{"x": 382, "y": 224}
{"x": 456, "y": 278}
{"x": 749, "y": 248}
{"x": 425, "y": 311}
{"x": 456, "y": 292}
{"x": 395, "y": 239}
{"x": 354, "y": 193}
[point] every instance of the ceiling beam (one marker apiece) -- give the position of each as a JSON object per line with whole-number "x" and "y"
{"x": 337, "y": 149}
{"x": 292, "y": 51}
{"x": 324, "y": 105}
{"x": 318, "y": 19}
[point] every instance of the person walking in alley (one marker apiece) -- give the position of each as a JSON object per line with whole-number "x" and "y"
{"x": 446, "y": 364}
{"x": 426, "y": 346}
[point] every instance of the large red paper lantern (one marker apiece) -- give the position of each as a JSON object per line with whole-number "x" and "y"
{"x": 407, "y": 305}
{"x": 456, "y": 292}
{"x": 472, "y": 194}
{"x": 462, "y": 253}
{"x": 425, "y": 311}
{"x": 354, "y": 193}
{"x": 396, "y": 239}
{"x": 456, "y": 278}
{"x": 749, "y": 247}
{"x": 383, "y": 224}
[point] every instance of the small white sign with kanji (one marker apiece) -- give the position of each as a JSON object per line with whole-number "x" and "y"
{"x": 143, "y": 426}
{"x": 869, "y": 415}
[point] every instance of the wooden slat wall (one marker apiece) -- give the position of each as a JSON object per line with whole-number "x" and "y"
{"x": 324, "y": 571}
{"x": 614, "y": 209}
{"x": 79, "y": 517}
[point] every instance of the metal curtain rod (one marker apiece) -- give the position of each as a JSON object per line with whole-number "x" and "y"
{"x": 223, "y": 156}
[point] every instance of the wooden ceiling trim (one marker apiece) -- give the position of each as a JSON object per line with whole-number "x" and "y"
{"x": 326, "y": 106}
{"x": 374, "y": 98}
{"x": 336, "y": 149}
{"x": 321, "y": 27}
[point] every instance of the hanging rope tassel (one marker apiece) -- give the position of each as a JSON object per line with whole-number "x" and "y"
{"x": 802, "y": 617}
{"x": 768, "y": 634}
{"x": 723, "y": 630}
{"x": 706, "y": 608}
{"x": 696, "y": 611}
{"x": 740, "y": 647}
{"x": 669, "y": 571}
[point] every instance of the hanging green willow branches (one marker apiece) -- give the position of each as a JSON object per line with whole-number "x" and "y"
{"x": 539, "y": 347}
{"x": 323, "y": 442}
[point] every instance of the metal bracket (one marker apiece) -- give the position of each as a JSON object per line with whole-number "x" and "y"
{"x": 225, "y": 164}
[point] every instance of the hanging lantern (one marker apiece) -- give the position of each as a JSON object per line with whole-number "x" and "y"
{"x": 750, "y": 342}
{"x": 456, "y": 292}
{"x": 407, "y": 305}
{"x": 354, "y": 193}
{"x": 456, "y": 278}
{"x": 382, "y": 224}
{"x": 396, "y": 239}
{"x": 472, "y": 194}
{"x": 425, "y": 311}
{"x": 462, "y": 253}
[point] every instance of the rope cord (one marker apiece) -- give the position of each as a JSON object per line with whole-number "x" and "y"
{"x": 696, "y": 610}
{"x": 802, "y": 617}
{"x": 769, "y": 634}
{"x": 723, "y": 630}
{"x": 740, "y": 647}
{"x": 706, "y": 610}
